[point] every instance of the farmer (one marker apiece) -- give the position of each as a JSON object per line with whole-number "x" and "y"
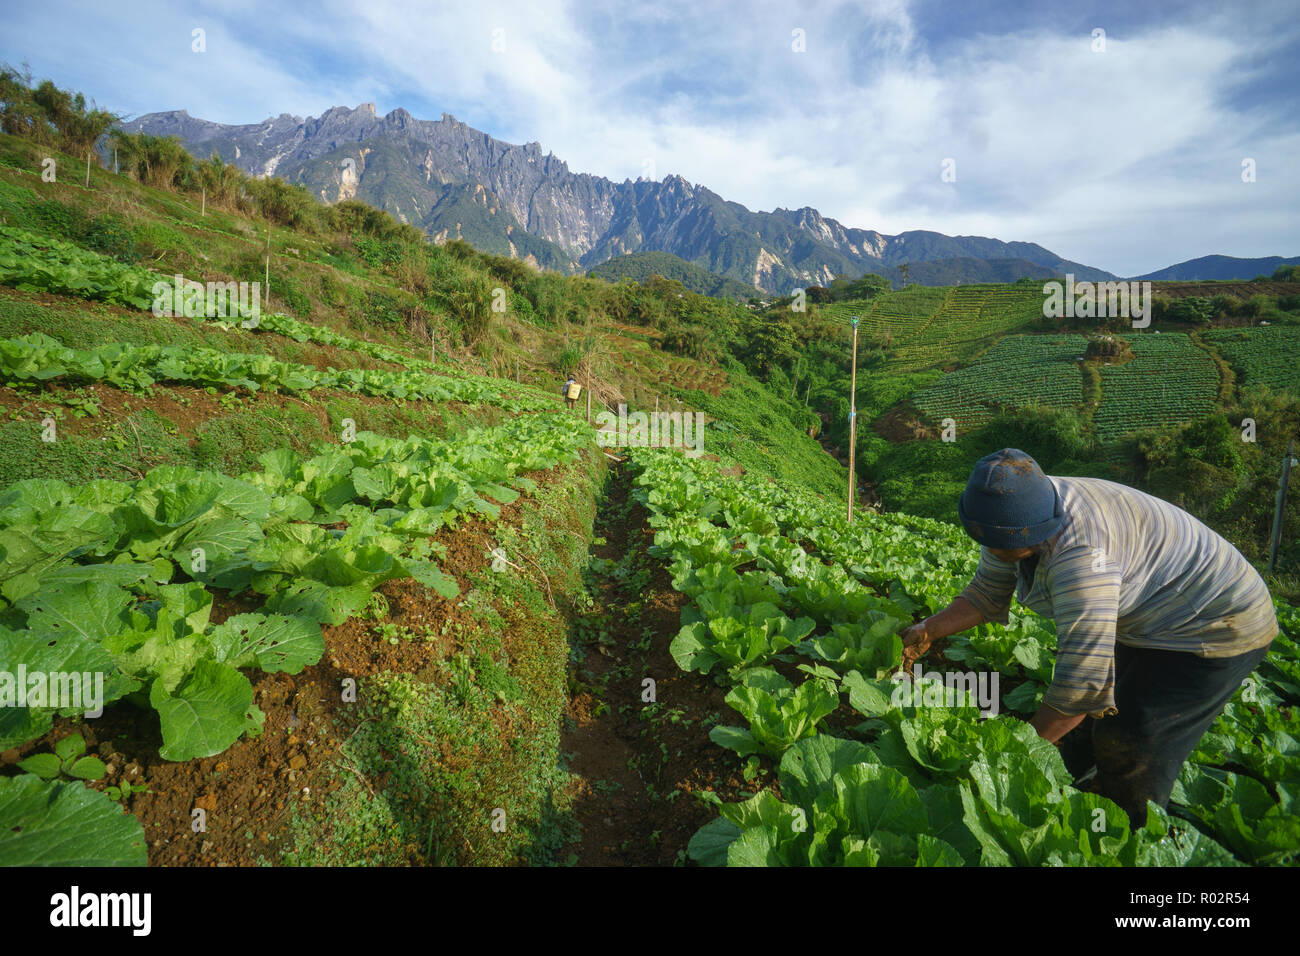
{"x": 571, "y": 391}
{"x": 1158, "y": 618}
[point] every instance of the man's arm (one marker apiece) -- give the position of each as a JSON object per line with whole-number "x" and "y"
{"x": 960, "y": 615}
{"x": 986, "y": 598}
{"x": 1052, "y": 725}
{"x": 1085, "y": 589}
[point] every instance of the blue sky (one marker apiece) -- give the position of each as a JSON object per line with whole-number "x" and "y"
{"x": 1127, "y": 158}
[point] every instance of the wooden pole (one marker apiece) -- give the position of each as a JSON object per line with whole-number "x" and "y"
{"x": 268, "y": 265}
{"x": 853, "y": 414}
{"x": 1279, "y": 511}
{"x": 203, "y": 209}
{"x": 87, "y": 169}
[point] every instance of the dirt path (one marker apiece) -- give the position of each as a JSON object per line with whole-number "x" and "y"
{"x": 636, "y": 760}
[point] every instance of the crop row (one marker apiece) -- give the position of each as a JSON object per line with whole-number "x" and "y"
{"x": 117, "y": 579}
{"x": 1169, "y": 382}
{"x": 1019, "y": 370}
{"x": 1264, "y": 356}
{"x": 43, "y": 264}
{"x": 39, "y": 358}
{"x": 797, "y": 612}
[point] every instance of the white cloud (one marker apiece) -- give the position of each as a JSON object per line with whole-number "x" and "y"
{"x": 1125, "y": 159}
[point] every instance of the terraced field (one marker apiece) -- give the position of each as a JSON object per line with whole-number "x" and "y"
{"x": 1262, "y": 355}
{"x": 931, "y": 327}
{"x": 1019, "y": 370}
{"x": 1171, "y": 381}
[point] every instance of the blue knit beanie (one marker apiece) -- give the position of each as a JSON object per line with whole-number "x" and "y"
{"x": 1009, "y": 503}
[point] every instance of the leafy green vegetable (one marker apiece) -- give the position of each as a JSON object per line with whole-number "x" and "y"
{"x": 65, "y": 824}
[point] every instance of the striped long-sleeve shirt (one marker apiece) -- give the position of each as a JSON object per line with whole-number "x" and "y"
{"x": 1128, "y": 567}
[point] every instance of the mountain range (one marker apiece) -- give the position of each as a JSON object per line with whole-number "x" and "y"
{"x": 457, "y": 182}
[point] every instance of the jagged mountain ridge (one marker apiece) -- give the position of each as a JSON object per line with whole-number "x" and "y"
{"x": 454, "y": 181}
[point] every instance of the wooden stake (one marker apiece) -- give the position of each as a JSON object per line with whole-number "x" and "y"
{"x": 203, "y": 209}
{"x": 588, "y": 403}
{"x": 268, "y": 265}
{"x": 433, "y": 349}
{"x": 88, "y": 170}
{"x": 516, "y": 369}
{"x": 853, "y": 414}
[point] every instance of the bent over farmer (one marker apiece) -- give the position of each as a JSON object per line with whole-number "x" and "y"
{"x": 1158, "y": 618}
{"x": 571, "y": 390}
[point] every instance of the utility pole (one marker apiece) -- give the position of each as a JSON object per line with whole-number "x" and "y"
{"x": 853, "y": 414}
{"x": 1287, "y": 462}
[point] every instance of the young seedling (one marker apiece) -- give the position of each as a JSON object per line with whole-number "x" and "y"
{"x": 66, "y": 759}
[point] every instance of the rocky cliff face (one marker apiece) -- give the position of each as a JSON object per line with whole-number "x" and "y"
{"x": 455, "y": 181}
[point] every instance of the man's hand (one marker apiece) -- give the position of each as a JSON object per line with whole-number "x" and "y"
{"x": 916, "y": 641}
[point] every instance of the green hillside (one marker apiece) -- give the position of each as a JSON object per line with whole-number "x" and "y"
{"x": 640, "y": 266}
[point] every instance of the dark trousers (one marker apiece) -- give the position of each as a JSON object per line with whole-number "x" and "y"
{"x": 1166, "y": 701}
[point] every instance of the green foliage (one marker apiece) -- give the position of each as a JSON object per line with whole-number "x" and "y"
{"x": 50, "y": 265}
{"x": 1266, "y": 356}
{"x": 766, "y": 342}
{"x": 925, "y": 781}
{"x": 642, "y": 266}
{"x": 864, "y": 288}
{"x": 65, "y": 824}
{"x": 49, "y": 115}
{"x": 77, "y": 560}
{"x": 67, "y": 759}
{"x": 1169, "y": 382}
{"x": 1018, "y": 371}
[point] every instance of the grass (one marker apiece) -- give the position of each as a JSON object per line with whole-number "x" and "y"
{"x": 471, "y": 751}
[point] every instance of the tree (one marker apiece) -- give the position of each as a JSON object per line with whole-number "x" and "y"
{"x": 768, "y": 342}
{"x": 867, "y": 287}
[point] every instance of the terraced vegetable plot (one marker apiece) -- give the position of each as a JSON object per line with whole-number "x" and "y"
{"x": 1019, "y": 370}
{"x": 798, "y": 612}
{"x": 928, "y": 327}
{"x": 1262, "y": 356}
{"x": 119, "y": 578}
{"x": 1170, "y": 381}
{"x": 902, "y": 314}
